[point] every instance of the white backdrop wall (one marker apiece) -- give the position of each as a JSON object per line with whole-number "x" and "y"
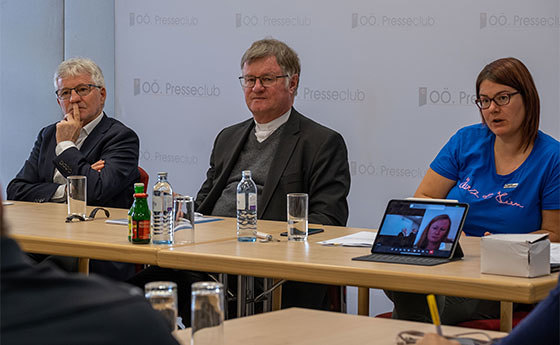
{"x": 395, "y": 78}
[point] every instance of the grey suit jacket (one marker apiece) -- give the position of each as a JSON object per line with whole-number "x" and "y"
{"x": 310, "y": 159}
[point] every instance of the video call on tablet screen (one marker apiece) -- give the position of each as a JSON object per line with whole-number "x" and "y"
{"x": 424, "y": 228}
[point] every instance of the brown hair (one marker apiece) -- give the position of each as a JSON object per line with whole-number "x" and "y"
{"x": 423, "y": 242}
{"x": 513, "y": 73}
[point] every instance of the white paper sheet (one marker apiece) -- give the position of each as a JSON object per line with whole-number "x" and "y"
{"x": 359, "y": 239}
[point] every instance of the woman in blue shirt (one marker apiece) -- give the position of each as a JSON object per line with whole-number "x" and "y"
{"x": 504, "y": 168}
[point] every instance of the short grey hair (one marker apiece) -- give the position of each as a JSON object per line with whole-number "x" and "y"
{"x": 76, "y": 66}
{"x": 286, "y": 57}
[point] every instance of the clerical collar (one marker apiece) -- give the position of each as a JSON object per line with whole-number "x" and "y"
{"x": 264, "y": 130}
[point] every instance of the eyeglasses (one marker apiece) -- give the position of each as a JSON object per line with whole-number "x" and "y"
{"x": 500, "y": 99}
{"x": 82, "y": 90}
{"x": 249, "y": 81}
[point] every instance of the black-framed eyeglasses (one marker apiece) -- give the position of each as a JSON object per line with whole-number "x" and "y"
{"x": 82, "y": 90}
{"x": 499, "y": 99}
{"x": 249, "y": 81}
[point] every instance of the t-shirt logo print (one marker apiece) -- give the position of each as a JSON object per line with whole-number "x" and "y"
{"x": 500, "y": 196}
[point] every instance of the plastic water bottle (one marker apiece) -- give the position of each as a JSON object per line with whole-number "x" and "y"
{"x": 162, "y": 209}
{"x": 246, "y": 208}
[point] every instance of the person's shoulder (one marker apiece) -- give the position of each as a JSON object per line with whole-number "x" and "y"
{"x": 472, "y": 136}
{"x": 48, "y": 130}
{"x": 118, "y": 126}
{"x": 477, "y": 129}
{"x": 312, "y": 127}
{"x": 548, "y": 145}
{"x": 236, "y": 127}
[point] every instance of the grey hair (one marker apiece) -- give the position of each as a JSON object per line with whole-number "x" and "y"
{"x": 76, "y": 66}
{"x": 286, "y": 57}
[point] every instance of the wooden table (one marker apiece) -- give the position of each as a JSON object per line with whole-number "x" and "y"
{"x": 305, "y": 326}
{"x": 41, "y": 228}
{"x": 311, "y": 262}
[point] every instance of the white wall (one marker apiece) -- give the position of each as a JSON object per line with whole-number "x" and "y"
{"x": 31, "y": 46}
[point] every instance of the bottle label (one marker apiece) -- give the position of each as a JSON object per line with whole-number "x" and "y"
{"x": 252, "y": 201}
{"x": 129, "y": 228}
{"x": 157, "y": 203}
{"x": 240, "y": 201}
{"x": 141, "y": 229}
{"x": 167, "y": 203}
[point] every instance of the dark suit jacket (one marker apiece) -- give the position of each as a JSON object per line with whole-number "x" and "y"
{"x": 110, "y": 140}
{"x": 43, "y": 305}
{"x": 310, "y": 159}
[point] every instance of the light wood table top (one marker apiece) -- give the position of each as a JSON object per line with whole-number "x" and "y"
{"x": 305, "y": 326}
{"x": 312, "y": 262}
{"x": 41, "y": 228}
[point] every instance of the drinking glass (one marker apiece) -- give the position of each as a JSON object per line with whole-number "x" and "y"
{"x": 207, "y": 313}
{"x": 297, "y": 206}
{"x": 183, "y": 219}
{"x": 76, "y": 193}
{"x": 163, "y": 298}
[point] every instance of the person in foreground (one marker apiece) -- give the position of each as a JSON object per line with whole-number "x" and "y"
{"x": 541, "y": 326}
{"x": 85, "y": 142}
{"x": 504, "y": 168}
{"x": 43, "y": 305}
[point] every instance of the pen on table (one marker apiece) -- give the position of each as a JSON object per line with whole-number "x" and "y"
{"x": 435, "y": 314}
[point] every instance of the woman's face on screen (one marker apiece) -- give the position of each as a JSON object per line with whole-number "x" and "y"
{"x": 438, "y": 230}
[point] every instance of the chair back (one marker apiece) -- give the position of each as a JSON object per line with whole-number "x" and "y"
{"x": 144, "y": 178}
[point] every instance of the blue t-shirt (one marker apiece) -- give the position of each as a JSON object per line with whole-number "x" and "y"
{"x": 500, "y": 203}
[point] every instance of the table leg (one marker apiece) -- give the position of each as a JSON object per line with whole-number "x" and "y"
{"x": 277, "y": 296}
{"x": 506, "y": 316}
{"x": 363, "y": 301}
{"x": 223, "y": 278}
{"x": 83, "y": 266}
{"x": 241, "y": 296}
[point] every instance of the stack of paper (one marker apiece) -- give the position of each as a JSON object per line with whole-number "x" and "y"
{"x": 359, "y": 239}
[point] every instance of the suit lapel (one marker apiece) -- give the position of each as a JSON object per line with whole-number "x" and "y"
{"x": 50, "y": 156}
{"x": 93, "y": 138}
{"x": 229, "y": 158}
{"x": 288, "y": 141}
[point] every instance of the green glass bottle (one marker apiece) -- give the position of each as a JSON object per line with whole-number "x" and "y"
{"x": 138, "y": 188}
{"x": 141, "y": 219}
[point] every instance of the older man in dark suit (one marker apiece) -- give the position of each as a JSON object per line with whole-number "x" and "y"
{"x": 85, "y": 142}
{"x": 285, "y": 151}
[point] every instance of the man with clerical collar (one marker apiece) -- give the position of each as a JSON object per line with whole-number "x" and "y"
{"x": 285, "y": 151}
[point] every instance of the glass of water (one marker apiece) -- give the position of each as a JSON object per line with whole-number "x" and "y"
{"x": 76, "y": 193}
{"x": 207, "y": 313}
{"x": 163, "y": 298}
{"x": 183, "y": 219}
{"x": 297, "y": 207}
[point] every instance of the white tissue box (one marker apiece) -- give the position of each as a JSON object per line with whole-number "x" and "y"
{"x": 521, "y": 255}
